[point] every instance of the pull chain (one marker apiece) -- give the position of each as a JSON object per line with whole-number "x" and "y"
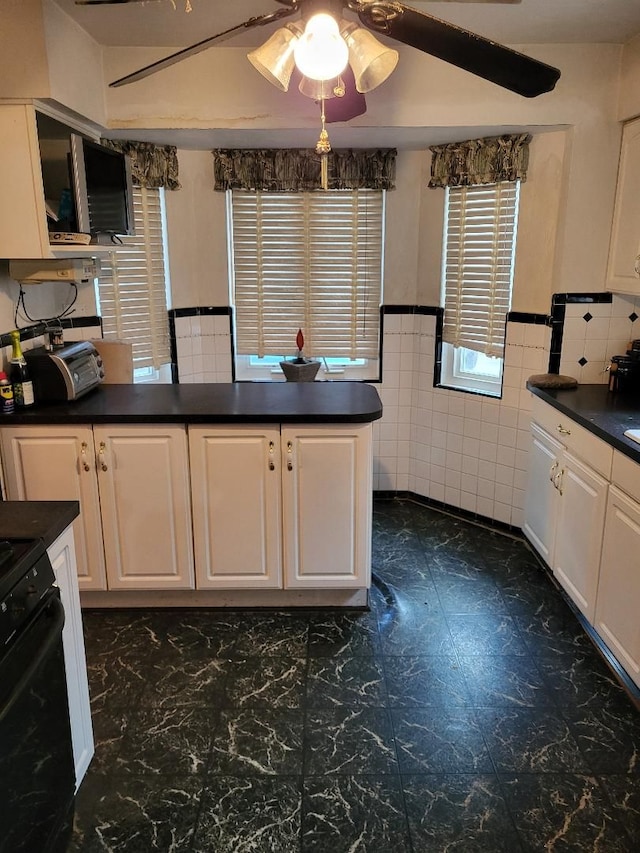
{"x": 323, "y": 148}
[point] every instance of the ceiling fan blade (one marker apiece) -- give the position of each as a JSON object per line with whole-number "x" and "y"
{"x": 186, "y": 52}
{"x": 466, "y": 50}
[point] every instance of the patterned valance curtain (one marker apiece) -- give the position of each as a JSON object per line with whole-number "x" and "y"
{"x": 152, "y": 165}
{"x": 298, "y": 170}
{"x": 480, "y": 161}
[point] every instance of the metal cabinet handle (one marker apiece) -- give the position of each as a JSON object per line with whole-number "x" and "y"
{"x": 290, "y": 456}
{"x": 103, "y": 464}
{"x": 83, "y": 456}
{"x": 272, "y": 448}
{"x": 558, "y": 480}
{"x": 562, "y": 430}
{"x": 636, "y": 266}
{"x": 552, "y": 472}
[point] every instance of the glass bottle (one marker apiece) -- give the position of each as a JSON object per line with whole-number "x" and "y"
{"x": 19, "y": 374}
{"x": 6, "y": 394}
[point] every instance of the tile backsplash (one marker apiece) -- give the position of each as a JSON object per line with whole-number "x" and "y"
{"x": 592, "y": 333}
{"x": 203, "y": 347}
{"x": 79, "y": 329}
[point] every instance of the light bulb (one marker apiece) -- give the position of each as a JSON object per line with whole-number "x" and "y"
{"x": 321, "y": 53}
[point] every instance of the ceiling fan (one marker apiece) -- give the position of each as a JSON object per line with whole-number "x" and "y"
{"x": 473, "y": 53}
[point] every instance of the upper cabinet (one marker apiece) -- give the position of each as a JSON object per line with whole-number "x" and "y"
{"x": 24, "y": 173}
{"x": 623, "y": 271}
{"x": 23, "y": 218}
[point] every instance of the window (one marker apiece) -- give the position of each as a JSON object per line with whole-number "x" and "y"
{"x": 477, "y": 279}
{"x": 132, "y": 289}
{"x": 311, "y": 261}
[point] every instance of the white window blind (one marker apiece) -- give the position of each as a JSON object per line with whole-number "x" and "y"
{"x": 310, "y": 261}
{"x": 479, "y": 247}
{"x": 132, "y": 285}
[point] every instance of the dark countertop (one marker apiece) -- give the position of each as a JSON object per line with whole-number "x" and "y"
{"x": 36, "y": 519}
{"x": 603, "y": 413}
{"x": 227, "y": 402}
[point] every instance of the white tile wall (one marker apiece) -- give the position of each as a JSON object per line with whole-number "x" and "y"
{"x": 466, "y": 450}
{"x": 203, "y": 345}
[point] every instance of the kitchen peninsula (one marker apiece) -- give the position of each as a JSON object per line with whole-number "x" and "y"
{"x": 231, "y": 494}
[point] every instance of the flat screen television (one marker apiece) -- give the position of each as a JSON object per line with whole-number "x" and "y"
{"x": 103, "y": 191}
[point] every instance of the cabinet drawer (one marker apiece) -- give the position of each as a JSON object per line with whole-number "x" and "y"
{"x": 578, "y": 440}
{"x": 626, "y": 475}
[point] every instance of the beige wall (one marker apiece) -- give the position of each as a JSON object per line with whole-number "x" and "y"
{"x": 196, "y": 226}
{"x": 567, "y": 203}
{"x": 629, "y": 105}
{"x": 23, "y": 56}
{"x": 541, "y": 202}
{"x": 75, "y": 65}
{"x": 45, "y": 55}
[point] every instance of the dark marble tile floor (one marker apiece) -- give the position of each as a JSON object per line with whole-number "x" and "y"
{"x": 466, "y": 711}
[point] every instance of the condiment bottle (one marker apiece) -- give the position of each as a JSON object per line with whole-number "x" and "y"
{"x": 6, "y": 394}
{"x": 19, "y": 374}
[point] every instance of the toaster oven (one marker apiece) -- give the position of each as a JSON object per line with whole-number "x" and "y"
{"x": 66, "y": 373}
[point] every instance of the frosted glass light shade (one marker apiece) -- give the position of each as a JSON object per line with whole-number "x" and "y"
{"x": 371, "y": 61}
{"x": 275, "y": 58}
{"x": 318, "y": 89}
{"x": 321, "y": 53}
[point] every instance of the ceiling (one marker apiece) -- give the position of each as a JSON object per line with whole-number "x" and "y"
{"x": 158, "y": 23}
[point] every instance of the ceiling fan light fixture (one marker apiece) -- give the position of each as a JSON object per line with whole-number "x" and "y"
{"x": 321, "y": 53}
{"x": 275, "y": 58}
{"x": 319, "y": 90}
{"x": 371, "y": 61}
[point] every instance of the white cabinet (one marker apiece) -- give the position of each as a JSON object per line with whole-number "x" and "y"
{"x": 617, "y": 617}
{"x": 143, "y": 479}
{"x": 132, "y": 483}
{"x": 569, "y": 470}
{"x": 623, "y": 271}
{"x": 58, "y": 463}
{"x": 286, "y": 506}
{"x": 576, "y": 555}
{"x": 541, "y": 503}
{"x": 24, "y": 229}
{"x": 63, "y": 559}
{"x": 583, "y": 517}
{"x": 235, "y": 478}
{"x": 23, "y": 219}
{"x": 326, "y": 490}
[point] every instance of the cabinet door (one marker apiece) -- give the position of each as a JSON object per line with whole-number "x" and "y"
{"x": 623, "y": 272}
{"x": 618, "y": 607}
{"x": 23, "y": 221}
{"x": 542, "y": 496}
{"x": 63, "y": 559}
{"x": 327, "y": 491}
{"x": 58, "y": 464}
{"x": 581, "y": 511}
{"x": 143, "y": 477}
{"x": 235, "y": 480}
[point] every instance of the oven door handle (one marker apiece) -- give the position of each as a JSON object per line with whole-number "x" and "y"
{"x": 48, "y": 643}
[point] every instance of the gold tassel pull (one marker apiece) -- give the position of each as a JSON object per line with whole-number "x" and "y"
{"x": 323, "y": 148}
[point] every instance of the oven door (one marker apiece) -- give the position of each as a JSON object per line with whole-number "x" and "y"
{"x": 36, "y": 762}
